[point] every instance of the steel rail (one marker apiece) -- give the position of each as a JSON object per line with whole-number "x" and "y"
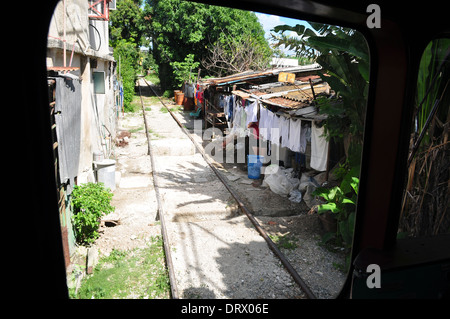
{"x": 160, "y": 209}
{"x": 244, "y": 209}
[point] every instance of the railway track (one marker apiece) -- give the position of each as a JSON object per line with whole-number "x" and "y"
{"x": 242, "y": 207}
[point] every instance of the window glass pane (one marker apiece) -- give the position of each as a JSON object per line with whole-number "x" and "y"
{"x": 425, "y": 200}
{"x": 99, "y": 82}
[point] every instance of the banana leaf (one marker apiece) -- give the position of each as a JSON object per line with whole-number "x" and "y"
{"x": 331, "y": 42}
{"x": 328, "y": 207}
{"x": 432, "y": 57}
{"x": 300, "y": 29}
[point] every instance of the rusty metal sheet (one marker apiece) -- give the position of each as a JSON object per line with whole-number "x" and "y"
{"x": 68, "y": 128}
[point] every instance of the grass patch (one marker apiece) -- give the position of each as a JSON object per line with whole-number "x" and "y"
{"x": 136, "y": 129}
{"x": 153, "y": 77}
{"x": 135, "y": 105}
{"x": 177, "y": 108}
{"x": 284, "y": 241}
{"x": 133, "y": 274}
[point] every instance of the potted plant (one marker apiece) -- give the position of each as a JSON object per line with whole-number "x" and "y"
{"x": 183, "y": 72}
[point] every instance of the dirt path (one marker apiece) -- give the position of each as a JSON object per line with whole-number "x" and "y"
{"x": 216, "y": 252}
{"x": 134, "y": 197}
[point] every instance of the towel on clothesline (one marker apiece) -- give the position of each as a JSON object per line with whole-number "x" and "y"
{"x": 295, "y": 131}
{"x": 284, "y": 131}
{"x": 319, "y": 148}
{"x": 252, "y": 112}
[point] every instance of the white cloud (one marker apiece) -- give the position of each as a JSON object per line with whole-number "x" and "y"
{"x": 268, "y": 21}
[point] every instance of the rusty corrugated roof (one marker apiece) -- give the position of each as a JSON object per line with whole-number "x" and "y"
{"x": 249, "y": 75}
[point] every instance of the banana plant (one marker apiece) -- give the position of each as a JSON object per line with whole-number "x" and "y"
{"x": 431, "y": 83}
{"x": 344, "y": 57}
{"x": 341, "y": 202}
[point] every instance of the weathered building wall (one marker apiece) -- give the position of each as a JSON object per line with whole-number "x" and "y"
{"x": 86, "y": 48}
{"x": 87, "y": 52}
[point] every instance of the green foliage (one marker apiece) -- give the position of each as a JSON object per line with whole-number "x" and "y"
{"x": 285, "y": 241}
{"x": 127, "y": 54}
{"x": 347, "y": 67}
{"x": 344, "y": 57}
{"x": 126, "y": 30}
{"x": 138, "y": 273}
{"x": 425, "y": 198}
{"x": 183, "y": 70}
{"x": 90, "y": 202}
{"x": 432, "y": 57}
{"x": 298, "y": 44}
{"x": 178, "y": 28}
{"x": 126, "y": 22}
{"x": 341, "y": 202}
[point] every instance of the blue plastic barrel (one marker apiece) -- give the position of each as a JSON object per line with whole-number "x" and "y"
{"x": 254, "y": 166}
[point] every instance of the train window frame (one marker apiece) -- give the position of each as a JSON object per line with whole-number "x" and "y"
{"x": 392, "y": 49}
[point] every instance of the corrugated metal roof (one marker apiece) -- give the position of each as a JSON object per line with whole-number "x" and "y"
{"x": 250, "y": 75}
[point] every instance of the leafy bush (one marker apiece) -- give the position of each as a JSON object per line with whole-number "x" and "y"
{"x": 90, "y": 202}
{"x": 128, "y": 55}
{"x": 341, "y": 202}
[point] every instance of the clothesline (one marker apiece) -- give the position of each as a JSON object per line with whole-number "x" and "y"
{"x": 250, "y": 115}
{"x": 285, "y": 131}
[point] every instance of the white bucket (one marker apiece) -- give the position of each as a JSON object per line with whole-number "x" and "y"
{"x": 106, "y": 173}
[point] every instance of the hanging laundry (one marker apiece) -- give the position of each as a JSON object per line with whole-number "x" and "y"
{"x": 195, "y": 96}
{"x": 284, "y": 131}
{"x": 252, "y": 112}
{"x": 263, "y": 122}
{"x": 304, "y": 133}
{"x": 254, "y": 130}
{"x": 221, "y": 101}
{"x": 225, "y": 104}
{"x": 230, "y": 108}
{"x": 236, "y": 121}
{"x": 239, "y": 121}
{"x": 319, "y": 148}
{"x": 269, "y": 124}
{"x": 295, "y": 131}
{"x": 200, "y": 96}
{"x": 275, "y": 130}
{"x": 243, "y": 130}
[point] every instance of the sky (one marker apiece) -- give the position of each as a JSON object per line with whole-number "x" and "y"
{"x": 269, "y": 21}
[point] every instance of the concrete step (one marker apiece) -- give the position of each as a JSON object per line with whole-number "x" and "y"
{"x": 172, "y": 147}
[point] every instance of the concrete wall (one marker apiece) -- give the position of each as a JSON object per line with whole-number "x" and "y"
{"x": 75, "y": 19}
{"x": 86, "y": 49}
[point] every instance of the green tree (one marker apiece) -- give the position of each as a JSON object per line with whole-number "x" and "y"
{"x": 183, "y": 70}
{"x": 178, "y": 28}
{"x": 127, "y": 22}
{"x": 126, "y": 30}
{"x": 236, "y": 54}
